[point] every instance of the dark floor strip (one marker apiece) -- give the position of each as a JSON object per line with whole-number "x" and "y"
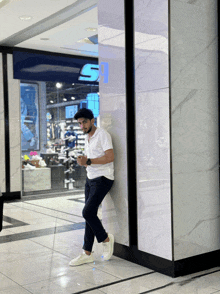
{"x": 181, "y": 283}
{"x": 159, "y": 288}
{"x": 40, "y": 233}
{"x": 113, "y": 283}
{"x": 53, "y": 194}
{"x": 78, "y": 200}
{"x": 12, "y": 226}
{"x": 197, "y": 277}
{"x": 55, "y": 217}
{"x": 53, "y": 209}
{"x": 14, "y": 221}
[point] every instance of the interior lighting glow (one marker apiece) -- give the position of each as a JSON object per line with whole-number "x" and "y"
{"x": 64, "y": 99}
{"x": 73, "y": 98}
{"x": 58, "y": 85}
{"x": 25, "y": 17}
{"x": 91, "y": 29}
{"x": 51, "y": 101}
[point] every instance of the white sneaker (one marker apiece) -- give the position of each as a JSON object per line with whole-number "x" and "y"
{"x": 67, "y": 159}
{"x": 29, "y": 167}
{"x": 71, "y": 138}
{"x": 66, "y": 149}
{"x": 108, "y": 248}
{"x": 82, "y": 259}
{"x": 42, "y": 163}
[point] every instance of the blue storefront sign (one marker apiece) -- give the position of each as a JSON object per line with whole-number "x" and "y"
{"x": 45, "y": 67}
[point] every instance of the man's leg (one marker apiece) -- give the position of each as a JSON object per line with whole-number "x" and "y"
{"x": 99, "y": 187}
{"x": 95, "y": 192}
{"x": 89, "y": 235}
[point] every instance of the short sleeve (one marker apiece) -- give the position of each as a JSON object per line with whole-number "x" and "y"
{"x": 86, "y": 146}
{"x": 106, "y": 141}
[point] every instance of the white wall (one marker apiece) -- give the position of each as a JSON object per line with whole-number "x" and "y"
{"x": 2, "y": 131}
{"x": 14, "y": 128}
{"x": 194, "y": 92}
{"x": 113, "y": 113}
{"x": 152, "y": 127}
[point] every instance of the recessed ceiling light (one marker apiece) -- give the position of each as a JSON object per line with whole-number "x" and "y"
{"x": 58, "y": 85}
{"x": 64, "y": 99}
{"x": 73, "y": 98}
{"x": 51, "y": 101}
{"x": 25, "y": 17}
{"x": 91, "y": 29}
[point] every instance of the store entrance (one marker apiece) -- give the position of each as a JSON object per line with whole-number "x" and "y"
{"x": 51, "y": 139}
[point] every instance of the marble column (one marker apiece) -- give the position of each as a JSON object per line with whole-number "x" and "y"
{"x": 152, "y": 127}
{"x": 2, "y": 131}
{"x": 14, "y": 128}
{"x": 195, "y": 127}
{"x": 43, "y": 116}
{"x": 113, "y": 113}
{"x": 177, "y": 130}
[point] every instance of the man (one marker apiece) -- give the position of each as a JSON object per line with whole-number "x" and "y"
{"x": 98, "y": 159}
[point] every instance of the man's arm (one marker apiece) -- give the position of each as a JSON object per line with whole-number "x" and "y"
{"x": 107, "y": 158}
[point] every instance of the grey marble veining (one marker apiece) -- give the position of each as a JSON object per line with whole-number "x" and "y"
{"x": 152, "y": 127}
{"x": 36, "y": 180}
{"x": 2, "y": 131}
{"x": 195, "y": 127}
{"x": 15, "y": 128}
{"x": 113, "y": 114}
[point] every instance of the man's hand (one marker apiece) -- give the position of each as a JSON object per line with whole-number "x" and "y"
{"x": 81, "y": 160}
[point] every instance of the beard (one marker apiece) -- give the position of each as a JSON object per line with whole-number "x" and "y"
{"x": 89, "y": 130}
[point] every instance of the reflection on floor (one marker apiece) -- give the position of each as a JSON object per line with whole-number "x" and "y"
{"x": 41, "y": 235}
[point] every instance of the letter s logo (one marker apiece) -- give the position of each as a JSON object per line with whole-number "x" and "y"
{"x": 89, "y": 72}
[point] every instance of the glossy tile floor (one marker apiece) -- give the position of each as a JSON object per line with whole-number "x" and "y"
{"x": 41, "y": 235}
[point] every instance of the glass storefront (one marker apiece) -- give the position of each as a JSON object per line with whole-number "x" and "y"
{"x": 51, "y": 138}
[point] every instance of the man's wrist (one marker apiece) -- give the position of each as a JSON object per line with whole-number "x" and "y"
{"x": 88, "y": 162}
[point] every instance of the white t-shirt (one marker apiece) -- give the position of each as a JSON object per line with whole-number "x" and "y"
{"x": 95, "y": 148}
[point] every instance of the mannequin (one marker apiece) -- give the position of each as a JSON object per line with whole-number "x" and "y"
{"x": 72, "y": 137}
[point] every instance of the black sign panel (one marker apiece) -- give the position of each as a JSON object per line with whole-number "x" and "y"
{"x": 45, "y": 67}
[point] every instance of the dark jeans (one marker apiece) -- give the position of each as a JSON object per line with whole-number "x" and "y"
{"x": 95, "y": 191}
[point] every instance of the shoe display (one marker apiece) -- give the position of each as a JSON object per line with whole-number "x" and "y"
{"x": 66, "y": 149}
{"x": 71, "y": 138}
{"x": 42, "y": 163}
{"x": 29, "y": 167}
{"x": 82, "y": 259}
{"x": 61, "y": 156}
{"x": 66, "y": 159}
{"x": 36, "y": 157}
{"x": 26, "y": 157}
{"x": 28, "y": 162}
{"x": 108, "y": 247}
{"x": 70, "y": 171}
